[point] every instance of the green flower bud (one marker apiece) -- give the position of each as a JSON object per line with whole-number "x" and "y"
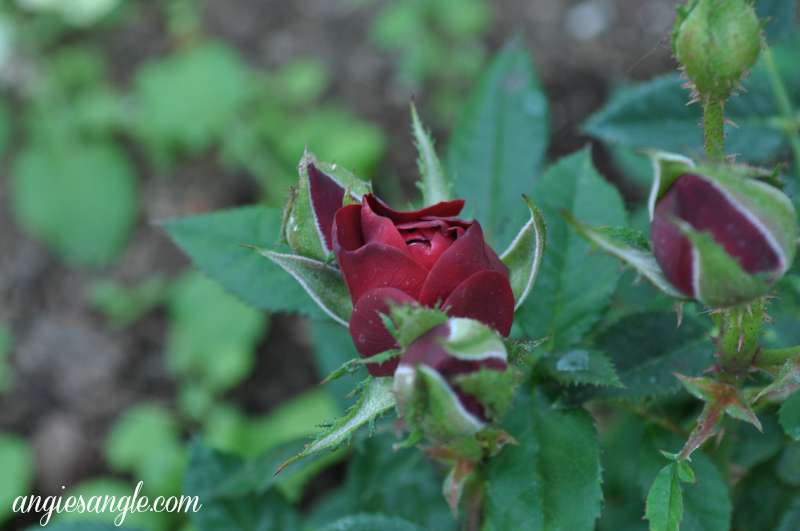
{"x": 717, "y": 42}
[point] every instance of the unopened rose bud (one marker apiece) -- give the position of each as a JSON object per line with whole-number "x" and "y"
{"x": 321, "y": 190}
{"x": 717, "y": 42}
{"x": 454, "y": 380}
{"x": 720, "y": 236}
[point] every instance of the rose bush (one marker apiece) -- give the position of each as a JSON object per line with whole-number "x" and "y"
{"x": 428, "y": 256}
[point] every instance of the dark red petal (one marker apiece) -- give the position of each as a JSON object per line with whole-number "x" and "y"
{"x": 443, "y": 209}
{"x": 428, "y": 253}
{"x": 485, "y": 296}
{"x": 671, "y": 248}
{"x": 369, "y": 334}
{"x": 380, "y": 229}
{"x": 326, "y": 198}
{"x": 703, "y": 206}
{"x": 347, "y": 235}
{"x": 468, "y": 255}
{"x": 376, "y": 265}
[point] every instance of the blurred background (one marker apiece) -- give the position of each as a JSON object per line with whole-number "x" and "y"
{"x": 116, "y": 114}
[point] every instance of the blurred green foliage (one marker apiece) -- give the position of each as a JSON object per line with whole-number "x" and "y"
{"x": 16, "y": 462}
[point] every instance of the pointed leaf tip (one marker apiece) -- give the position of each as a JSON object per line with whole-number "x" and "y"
{"x": 435, "y": 186}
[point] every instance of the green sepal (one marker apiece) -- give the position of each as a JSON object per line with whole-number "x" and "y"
{"x": 494, "y": 389}
{"x": 760, "y": 200}
{"x": 322, "y": 282}
{"x": 719, "y": 279}
{"x": 631, "y": 247}
{"x": 428, "y": 403}
{"x": 472, "y": 340}
{"x": 524, "y": 255}
{"x": 352, "y": 365}
{"x": 434, "y": 184}
{"x": 667, "y": 167}
{"x": 407, "y": 322}
{"x": 300, "y": 229}
{"x": 376, "y": 398}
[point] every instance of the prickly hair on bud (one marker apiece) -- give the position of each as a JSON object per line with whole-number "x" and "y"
{"x": 717, "y": 42}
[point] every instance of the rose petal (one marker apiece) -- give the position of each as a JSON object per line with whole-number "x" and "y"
{"x": 326, "y": 198}
{"x": 427, "y": 253}
{"x": 485, "y": 296}
{"x": 467, "y": 256}
{"x": 369, "y": 334}
{"x": 428, "y": 350}
{"x": 380, "y": 229}
{"x": 379, "y": 266}
{"x": 443, "y": 209}
{"x": 671, "y": 247}
{"x": 346, "y": 232}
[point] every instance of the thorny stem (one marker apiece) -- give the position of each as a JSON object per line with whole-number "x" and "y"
{"x": 714, "y": 129}
{"x": 784, "y": 104}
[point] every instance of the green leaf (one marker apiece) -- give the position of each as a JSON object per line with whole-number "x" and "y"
{"x": 499, "y": 143}
{"x": 79, "y": 199}
{"x": 655, "y": 114}
{"x": 778, "y": 16}
{"x": 647, "y": 349}
{"x": 371, "y": 522}
{"x": 171, "y": 114}
{"x": 226, "y": 505}
{"x": 212, "y": 335}
{"x": 790, "y": 416}
{"x": 215, "y": 242}
{"x": 665, "y": 501}
{"x": 573, "y": 285}
{"x": 323, "y": 283}
{"x": 376, "y": 398}
{"x": 16, "y": 461}
{"x": 377, "y": 473}
{"x": 580, "y": 367}
{"x": 435, "y": 186}
{"x": 551, "y": 479}
{"x": 630, "y": 247}
{"x": 524, "y": 256}
{"x": 707, "y": 502}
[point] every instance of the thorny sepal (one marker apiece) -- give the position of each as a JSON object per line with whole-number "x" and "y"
{"x": 375, "y": 399}
{"x": 720, "y": 399}
{"x": 667, "y": 167}
{"x": 308, "y": 216}
{"x": 350, "y": 366}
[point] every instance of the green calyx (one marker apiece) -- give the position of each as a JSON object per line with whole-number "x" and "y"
{"x": 737, "y": 334}
{"x": 301, "y": 229}
{"x": 717, "y": 42}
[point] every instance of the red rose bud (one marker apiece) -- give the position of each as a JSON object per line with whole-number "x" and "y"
{"x": 721, "y": 237}
{"x": 309, "y": 213}
{"x": 717, "y": 42}
{"x": 428, "y": 256}
{"x": 454, "y": 380}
